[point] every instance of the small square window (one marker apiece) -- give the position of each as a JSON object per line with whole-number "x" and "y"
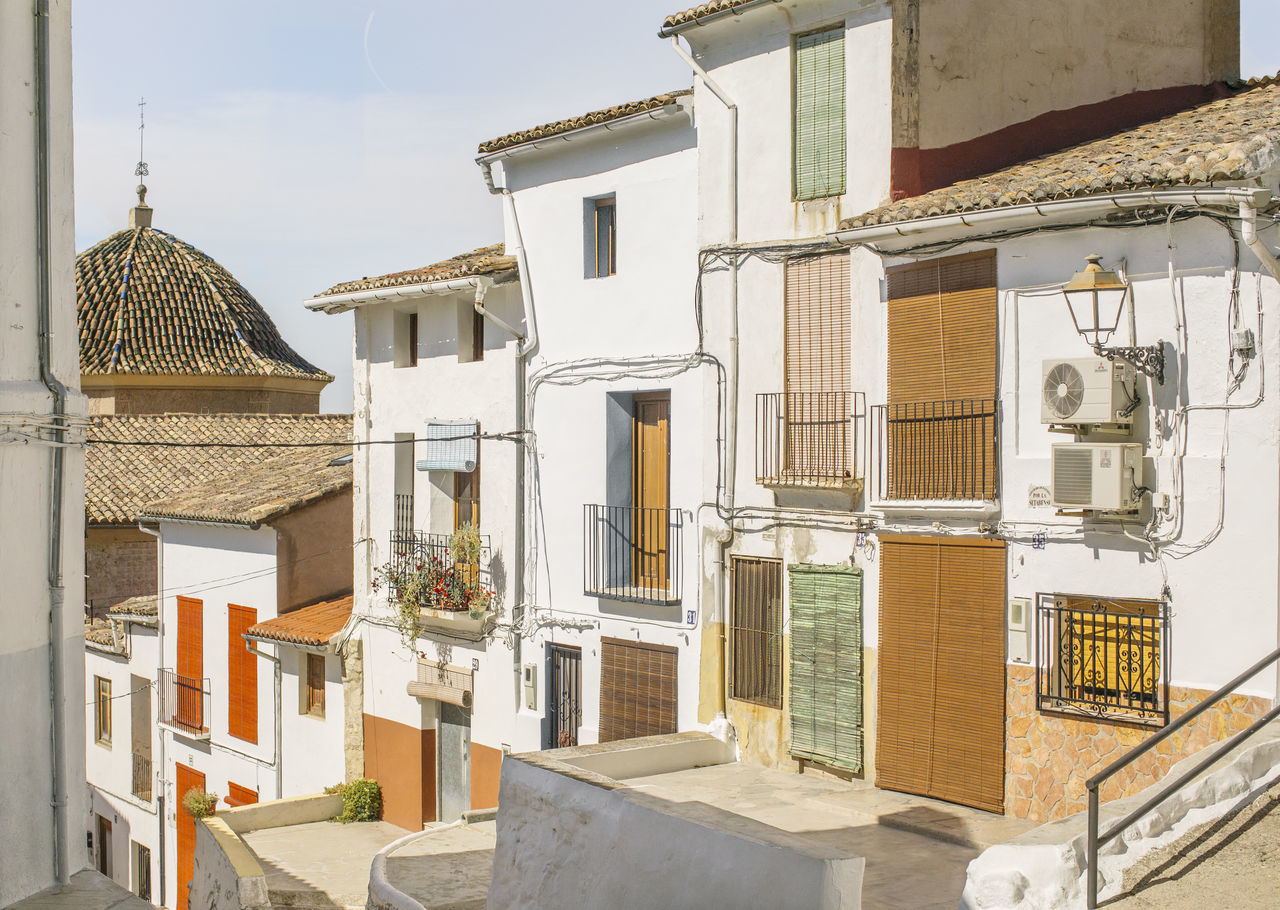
{"x": 600, "y": 237}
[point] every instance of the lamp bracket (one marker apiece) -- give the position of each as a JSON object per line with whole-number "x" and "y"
{"x": 1148, "y": 359}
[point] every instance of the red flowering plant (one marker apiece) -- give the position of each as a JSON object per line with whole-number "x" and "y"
{"x": 418, "y": 581}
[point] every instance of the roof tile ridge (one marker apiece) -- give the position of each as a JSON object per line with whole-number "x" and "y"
{"x": 186, "y": 253}
{"x": 123, "y": 298}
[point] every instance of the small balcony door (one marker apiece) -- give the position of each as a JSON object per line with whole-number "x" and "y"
{"x": 189, "y": 695}
{"x": 564, "y": 702}
{"x": 650, "y": 488}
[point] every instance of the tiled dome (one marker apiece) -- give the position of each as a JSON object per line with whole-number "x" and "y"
{"x": 148, "y": 303}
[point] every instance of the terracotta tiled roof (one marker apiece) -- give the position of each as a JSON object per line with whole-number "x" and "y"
{"x": 98, "y": 632}
{"x": 289, "y": 480}
{"x": 120, "y": 479}
{"x": 684, "y": 17}
{"x": 1232, "y": 139}
{"x": 616, "y": 112}
{"x": 488, "y": 260}
{"x": 142, "y": 605}
{"x": 149, "y": 303}
{"x": 313, "y": 625}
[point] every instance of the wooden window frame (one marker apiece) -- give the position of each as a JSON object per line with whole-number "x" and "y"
{"x": 469, "y": 503}
{"x": 756, "y": 679}
{"x": 313, "y": 696}
{"x": 1064, "y": 687}
{"x": 102, "y": 711}
{"x": 610, "y": 267}
{"x": 412, "y": 330}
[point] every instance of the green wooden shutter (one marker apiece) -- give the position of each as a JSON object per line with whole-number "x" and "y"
{"x": 818, "y": 130}
{"x": 825, "y": 686}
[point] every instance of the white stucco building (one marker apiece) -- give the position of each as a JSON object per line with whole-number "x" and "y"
{"x": 439, "y": 372}
{"x": 42, "y": 832}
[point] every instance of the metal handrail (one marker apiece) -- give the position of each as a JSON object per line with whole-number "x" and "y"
{"x": 1097, "y": 840}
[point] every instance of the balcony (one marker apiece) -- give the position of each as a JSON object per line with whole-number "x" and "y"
{"x": 141, "y": 776}
{"x": 937, "y": 451}
{"x": 184, "y": 704}
{"x": 633, "y": 554}
{"x": 413, "y": 550}
{"x": 808, "y": 439}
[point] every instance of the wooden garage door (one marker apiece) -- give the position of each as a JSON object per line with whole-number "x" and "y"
{"x": 637, "y": 689}
{"x": 940, "y": 726}
{"x": 187, "y": 778}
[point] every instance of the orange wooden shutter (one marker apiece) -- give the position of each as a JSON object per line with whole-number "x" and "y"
{"x": 190, "y": 638}
{"x": 187, "y": 779}
{"x": 240, "y": 796}
{"x": 242, "y": 675}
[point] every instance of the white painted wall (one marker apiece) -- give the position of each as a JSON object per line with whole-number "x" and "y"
{"x": 26, "y": 825}
{"x": 313, "y": 746}
{"x": 110, "y": 770}
{"x": 391, "y": 400}
{"x": 218, "y": 565}
{"x": 645, "y": 309}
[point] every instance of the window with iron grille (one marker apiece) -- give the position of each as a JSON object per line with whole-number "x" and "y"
{"x": 756, "y": 655}
{"x": 1106, "y": 658}
{"x": 102, "y": 711}
{"x": 818, "y": 127}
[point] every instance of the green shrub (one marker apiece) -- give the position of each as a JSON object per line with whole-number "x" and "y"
{"x": 198, "y": 803}
{"x": 361, "y": 801}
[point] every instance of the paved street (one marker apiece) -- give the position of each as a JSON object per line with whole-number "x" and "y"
{"x": 1235, "y": 864}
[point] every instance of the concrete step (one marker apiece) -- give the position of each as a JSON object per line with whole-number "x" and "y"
{"x": 306, "y": 899}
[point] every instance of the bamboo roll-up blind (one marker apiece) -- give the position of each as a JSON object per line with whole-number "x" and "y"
{"x": 816, "y": 324}
{"x": 818, "y": 128}
{"x": 638, "y": 695}
{"x": 942, "y": 671}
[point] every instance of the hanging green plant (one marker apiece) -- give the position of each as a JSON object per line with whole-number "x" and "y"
{"x": 198, "y": 803}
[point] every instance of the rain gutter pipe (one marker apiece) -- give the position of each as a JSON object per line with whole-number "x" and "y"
{"x": 725, "y": 537}
{"x": 482, "y": 286}
{"x": 158, "y": 534}
{"x": 1249, "y": 233}
{"x": 672, "y": 31}
{"x": 279, "y": 759}
{"x": 986, "y": 222}
{"x": 44, "y": 324}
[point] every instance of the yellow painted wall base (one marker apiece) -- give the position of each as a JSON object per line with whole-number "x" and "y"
{"x": 710, "y": 673}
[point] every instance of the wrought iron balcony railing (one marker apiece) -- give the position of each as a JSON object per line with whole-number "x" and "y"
{"x": 141, "y": 776}
{"x": 184, "y": 703}
{"x": 937, "y": 450}
{"x": 808, "y": 439}
{"x": 412, "y": 551}
{"x": 633, "y": 554}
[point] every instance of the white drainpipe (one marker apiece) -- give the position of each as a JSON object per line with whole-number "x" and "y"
{"x": 1249, "y": 233}
{"x": 279, "y": 759}
{"x": 726, "y": 535}
{"x": 158, "y": 534}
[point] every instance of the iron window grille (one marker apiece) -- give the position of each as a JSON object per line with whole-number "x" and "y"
{"x": 937, "y": 450}
{"x": 141, "y": 776}
{"x": 184, "y": 703}
{"x": 756, "y": 654}
{"x": 1103, "y": 658}
{"x": 808, "y": 439}
{"x": 633, "y": 554}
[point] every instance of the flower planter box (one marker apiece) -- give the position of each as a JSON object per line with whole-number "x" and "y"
{"x": 459, "y": 623}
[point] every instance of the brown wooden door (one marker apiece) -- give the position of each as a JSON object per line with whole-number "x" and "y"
{"x": 941, "y": 710}
{"x": 189, "y": 687}
{"x": 187, "y": 778}
{"x": 651, "y": 471}
{"x": 638, "y": 694}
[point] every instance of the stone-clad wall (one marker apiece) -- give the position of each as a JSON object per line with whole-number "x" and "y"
{"x": 1050, "y": 756}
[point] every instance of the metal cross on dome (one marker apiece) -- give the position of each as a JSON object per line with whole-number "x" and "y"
{"x": 142, "y": 170}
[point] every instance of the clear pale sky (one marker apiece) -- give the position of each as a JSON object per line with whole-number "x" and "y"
{"x": 306, "y": 142}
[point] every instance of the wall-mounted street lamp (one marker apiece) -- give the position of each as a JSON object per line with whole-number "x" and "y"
{"x": 1096, "y": 298}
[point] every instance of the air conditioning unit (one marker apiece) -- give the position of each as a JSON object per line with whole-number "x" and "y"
{"x": 1087, "y": 391}
{"x": 1099, "y": 477}
{"x": 451, "y": 445}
